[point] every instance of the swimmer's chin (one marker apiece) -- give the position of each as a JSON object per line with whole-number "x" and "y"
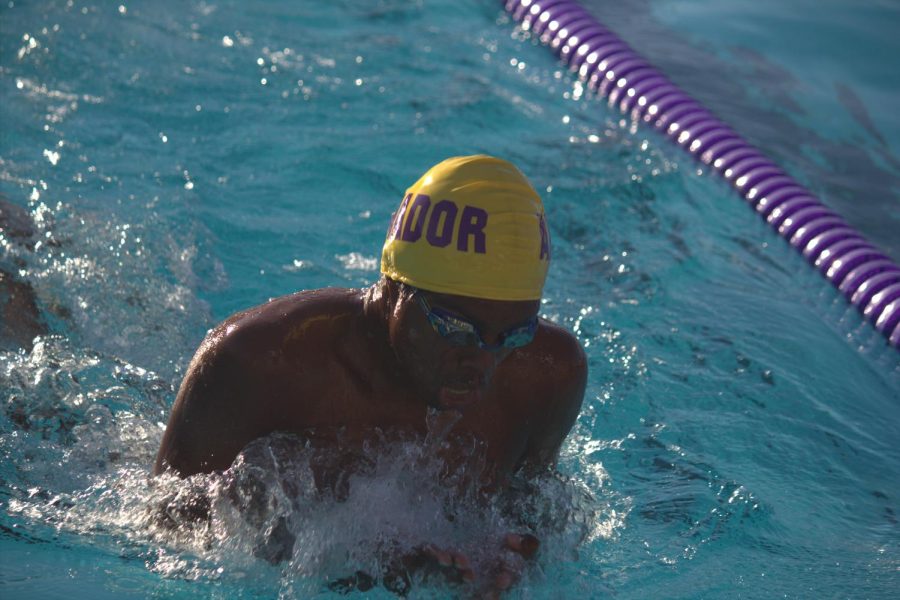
{"x": 453, "y": 398}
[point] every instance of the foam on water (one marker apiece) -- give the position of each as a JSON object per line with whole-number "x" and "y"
{"x": 81, "y": 446}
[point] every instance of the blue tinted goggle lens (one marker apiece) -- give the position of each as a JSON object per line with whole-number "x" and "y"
{"x": 460, "y": 332}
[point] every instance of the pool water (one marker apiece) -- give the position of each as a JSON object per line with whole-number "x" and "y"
{"x": 174, "y": 162}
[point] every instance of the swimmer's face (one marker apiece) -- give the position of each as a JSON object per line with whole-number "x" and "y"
{"x": 450, "y": 376}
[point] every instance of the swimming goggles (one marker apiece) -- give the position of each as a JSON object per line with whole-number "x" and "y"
{"x": 461, "y": 332}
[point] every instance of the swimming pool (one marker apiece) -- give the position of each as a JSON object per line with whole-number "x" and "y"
{"x": 180, "y": 164}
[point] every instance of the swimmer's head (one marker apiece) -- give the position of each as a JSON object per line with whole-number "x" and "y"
{"x": 471, "y": 226}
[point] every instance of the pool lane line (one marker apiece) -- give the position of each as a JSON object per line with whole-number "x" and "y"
{"x": 867, "y": 277}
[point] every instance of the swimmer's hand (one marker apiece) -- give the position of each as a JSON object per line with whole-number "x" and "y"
{"x": 496, "y": 577}
{"x": 452, "y": 565}
{"x": 517, "y": 549}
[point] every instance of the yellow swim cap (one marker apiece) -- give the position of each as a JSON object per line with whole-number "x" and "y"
{"x": 471, "y": 226}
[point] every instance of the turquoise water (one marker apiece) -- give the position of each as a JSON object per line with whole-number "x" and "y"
{"x": 181, "y": 161}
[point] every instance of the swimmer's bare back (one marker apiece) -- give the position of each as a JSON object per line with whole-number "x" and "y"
{"x": 361, "y": 360}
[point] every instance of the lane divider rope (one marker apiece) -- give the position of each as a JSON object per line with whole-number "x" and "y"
{"x": 868, "y": 278}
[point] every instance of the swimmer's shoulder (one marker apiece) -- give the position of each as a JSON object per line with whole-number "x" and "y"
{"x": 305, "y": 318}
{"x": 559, "y": 349}
{"x": 551, "y": 384}
{"x": 553, "y": 367}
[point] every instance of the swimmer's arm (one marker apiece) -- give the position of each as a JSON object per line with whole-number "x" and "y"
{"x": 210, "y": 423}
{"x": 561, "y": 406}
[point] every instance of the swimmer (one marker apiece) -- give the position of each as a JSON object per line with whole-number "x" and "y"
{"x": 20, "y": 318}
{"x": 452, "y": 325}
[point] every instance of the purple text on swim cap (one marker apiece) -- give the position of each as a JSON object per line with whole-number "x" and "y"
{"x": 398, "y": 218}
{"x": 448, "y": 210}
{"x": 545, "y": 238}
{"x": 439, "y": 222}
{"x": 473, "y": 222}
{"x": 412, "y": 230}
